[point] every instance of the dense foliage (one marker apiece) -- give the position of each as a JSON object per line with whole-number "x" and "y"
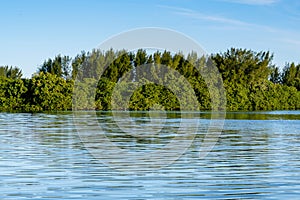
{"x": 140, "y": 81}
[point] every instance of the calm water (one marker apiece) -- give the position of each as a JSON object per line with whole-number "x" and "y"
{"x": 257, "y": 156}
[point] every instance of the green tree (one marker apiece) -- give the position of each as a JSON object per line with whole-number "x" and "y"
{"x": 291, "y": 75}
{"x": 50, "y": 92}
{"x": 60, "y": 66}
{"x": 275, "y": 76}
{"x": 12, "y": 94}
{"x": 10, "y": 72}
{"x": 245, "y": 74}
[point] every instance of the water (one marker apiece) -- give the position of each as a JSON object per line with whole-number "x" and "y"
{"x": 257, "y": 156}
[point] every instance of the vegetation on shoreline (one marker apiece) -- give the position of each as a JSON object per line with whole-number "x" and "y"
{"x": 250, "y": 79}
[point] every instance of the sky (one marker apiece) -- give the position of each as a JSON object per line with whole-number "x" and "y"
{"x": 33, "y": 30}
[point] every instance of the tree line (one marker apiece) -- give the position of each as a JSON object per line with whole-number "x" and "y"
{"x": 138, "y": 81}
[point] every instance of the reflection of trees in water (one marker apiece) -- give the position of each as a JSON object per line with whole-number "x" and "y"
{"x": 54, "y": 130}
{"x": 242, "y": 150}
{"x": 146, "y": 132}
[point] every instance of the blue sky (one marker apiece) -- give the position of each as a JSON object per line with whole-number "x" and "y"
{"x": 34, "y": 30}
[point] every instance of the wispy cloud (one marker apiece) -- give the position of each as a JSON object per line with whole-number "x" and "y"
{"x": 197, "y": 15}
{"x": 217, "y": 19}
{"x": 291, "y": 10}
{"x": 253, "y": 2}
{"x": 291, "y": 41}
{"x": 225, "y": 23}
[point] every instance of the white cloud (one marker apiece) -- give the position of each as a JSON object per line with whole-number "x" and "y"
{"x": 224, "y": 23}
{"x": 197, "y": 15}
{"x": 291, "y": 41}
{"x": 253, "y": 2}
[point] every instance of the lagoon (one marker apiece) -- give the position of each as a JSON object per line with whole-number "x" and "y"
{"x": 43, "y": 156}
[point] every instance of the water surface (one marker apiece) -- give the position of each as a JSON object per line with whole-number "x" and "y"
{"x": 256, "y": 157}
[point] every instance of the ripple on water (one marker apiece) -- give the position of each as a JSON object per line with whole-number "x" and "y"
{"x": 257, "y": 157}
